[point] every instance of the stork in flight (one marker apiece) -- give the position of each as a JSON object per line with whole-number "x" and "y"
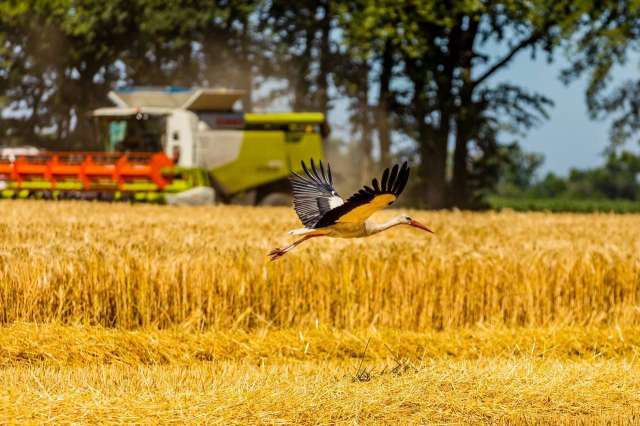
{"x": 325, "y": 214}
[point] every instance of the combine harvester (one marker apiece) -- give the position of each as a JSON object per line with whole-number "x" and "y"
{"x": 174, "y": 145}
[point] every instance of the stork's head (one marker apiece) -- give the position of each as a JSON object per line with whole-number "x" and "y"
{"x": 406, "y": 220}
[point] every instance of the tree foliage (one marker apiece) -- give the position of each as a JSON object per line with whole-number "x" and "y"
{"x": 617, "y": 179}
{"x": 443, "y": 51}
{"x": 61, "y": 57}
{"x": 421, "y": 78}
{"x": 609, "y": 38}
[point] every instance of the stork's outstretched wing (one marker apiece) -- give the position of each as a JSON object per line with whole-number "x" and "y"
{"x": 368, "y": 200}
{"x": 313, "y": 194}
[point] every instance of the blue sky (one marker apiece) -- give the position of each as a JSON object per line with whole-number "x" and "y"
{"x": 569, "y": 138}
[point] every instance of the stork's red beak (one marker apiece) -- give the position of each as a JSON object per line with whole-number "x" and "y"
{"x": 418, "y": 225}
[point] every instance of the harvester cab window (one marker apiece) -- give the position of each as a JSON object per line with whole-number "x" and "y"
{"x": 117, "y": 132}
{"x": 144, "y": 133}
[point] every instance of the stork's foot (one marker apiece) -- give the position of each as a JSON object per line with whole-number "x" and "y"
{"x": 276, "y": 253}
{"x": 279, "y": 252}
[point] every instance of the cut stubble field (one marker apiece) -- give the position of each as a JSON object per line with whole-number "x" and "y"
{"x": 147, "y": 314}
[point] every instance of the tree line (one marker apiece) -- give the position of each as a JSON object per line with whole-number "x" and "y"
{"x": 421, "y": 78}
{"x": 617, "y": 179}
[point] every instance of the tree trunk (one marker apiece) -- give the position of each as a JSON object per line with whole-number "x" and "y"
{"x": 384, "y": 106}
{"x": 434, "y": 168}
{"x": 364, "y": 114}
{"x": 436, "y": 161}
{"x": 324, "y": 63}
{"x": 301, "y": 85}
{"x": 247, "y": 100}
{"x": 83, "y": 134}
{"x": 432, "y": 140}
{"x": 459, "y": 195}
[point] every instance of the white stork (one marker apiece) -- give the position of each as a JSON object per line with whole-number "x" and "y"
{"x": 325, "y": 214}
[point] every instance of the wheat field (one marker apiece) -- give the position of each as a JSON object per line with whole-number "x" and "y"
{"x": 156, "y": 314}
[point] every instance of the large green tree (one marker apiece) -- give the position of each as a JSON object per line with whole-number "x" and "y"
{"x": 453, "y": 106}
{"x": 297, "y": 35}
{"x": 59, "y": 58}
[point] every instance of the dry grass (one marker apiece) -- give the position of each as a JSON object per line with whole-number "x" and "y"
{"x": 58, "y": 345}
{"x": 471, "y": 392}
{"x": 150, "y": 314}
{"x": 130, "y": 266}
{"x": 59, "y": 374}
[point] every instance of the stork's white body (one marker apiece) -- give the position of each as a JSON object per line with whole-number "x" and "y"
{"x": 351, "y": 229}
{"x": 339, "y": 230}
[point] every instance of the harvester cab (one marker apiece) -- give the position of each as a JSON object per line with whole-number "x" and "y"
{"x": 176, "y": 145}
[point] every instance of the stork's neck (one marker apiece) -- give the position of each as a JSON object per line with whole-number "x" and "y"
{"x": 374, "y": 228}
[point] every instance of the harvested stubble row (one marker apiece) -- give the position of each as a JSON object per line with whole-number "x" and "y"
{"x": 72, "y": 346}
{"x": 158, "y": 266}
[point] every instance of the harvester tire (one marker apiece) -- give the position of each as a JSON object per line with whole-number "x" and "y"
{"x": 276, "y": 199}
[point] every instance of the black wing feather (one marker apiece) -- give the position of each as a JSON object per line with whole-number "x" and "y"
{"x": 392, "y": 183}
{"x": 403, "y": 177}
{"x": 392, "y": 177}
{"x": 376, "y": 187}
{"x": 313, "y": 194}
{"x": 385, "y": 178}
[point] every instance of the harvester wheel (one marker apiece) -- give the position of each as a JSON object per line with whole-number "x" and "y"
{"x": 127, "y": 197}
{"x": 276, "y": 199}
{"x": 106, "y": 196}
{"x": 40, "y": 195}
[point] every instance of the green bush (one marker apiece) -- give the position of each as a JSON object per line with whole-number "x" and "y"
{"x": 563, "y": 204}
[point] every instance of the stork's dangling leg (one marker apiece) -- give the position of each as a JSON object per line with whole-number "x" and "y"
{"x": 278, "y": 252}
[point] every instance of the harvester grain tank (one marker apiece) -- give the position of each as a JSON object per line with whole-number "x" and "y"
{"x": 177, "y": 145}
